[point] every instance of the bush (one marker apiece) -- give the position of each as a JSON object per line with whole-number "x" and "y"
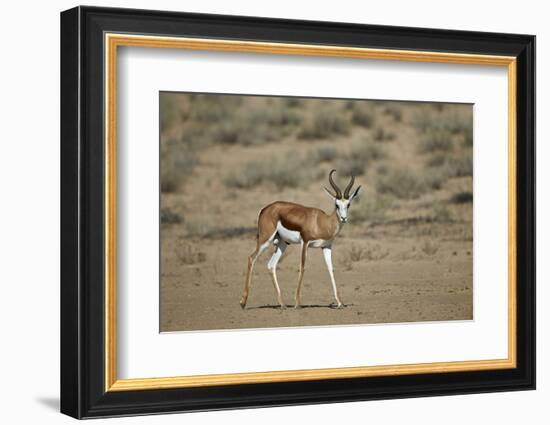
{"x": 256, "y": 128}
{"x": 371, "y": 208}
{"x": 468, "y": 138}
{"x": 436, "y": 160}
{"x": 323, "y": 125}
{"x": 367, "y": 152}
{"x": 382, "y": 135}
{"x": 423, "y": 119}
{"x": 441, "y": 213}
{"x": 207, "y": 108}
{"x": 175, "y": 168}
{"x": 462, "y": 198}
{"x": 252, "y": 174}
{"x": 435, "y": 140}
{"x": 359, "y": 158}
{"x": 452, "y": 122}
{"x": 394, "y": 110}
{"x": 363, "y": 117}
{"x": 434, "y": 178}
{"x": 168, "y": 111}
{"x": 326, "y": 153}
{"x": 444, "y": 167}
{"x": 351, "y": 165}
{"x": 460, "y": 167}
{"x": 284, "y": 172}
{"x": 167, "y": 216}
{"x": 401, "y": 183}
{"x": 292, "y": 102}
{"x": 274, "y": 116}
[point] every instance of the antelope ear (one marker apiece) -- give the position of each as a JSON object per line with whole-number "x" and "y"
{"x": 329, "y": 192}
{"x": 355, "y": 193}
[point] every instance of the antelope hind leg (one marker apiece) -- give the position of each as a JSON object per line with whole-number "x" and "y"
{"x": 260, "y": 247}
{"x": 297, "y": 303}
{"x": 272, "y": 267}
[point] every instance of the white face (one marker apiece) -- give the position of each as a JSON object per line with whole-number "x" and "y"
{"x": 342, "y": 206}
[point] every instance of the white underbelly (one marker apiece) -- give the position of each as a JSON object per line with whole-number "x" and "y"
{"x": 294, "y": 237}
{"x": 319, "y": 243}
{"x": 287, "y": 235}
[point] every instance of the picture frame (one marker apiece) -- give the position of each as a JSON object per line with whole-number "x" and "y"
{"x": 90, "y": 40}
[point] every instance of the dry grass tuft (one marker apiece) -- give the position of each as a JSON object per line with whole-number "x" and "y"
{"x": 167, "y": 216}
{"x": 188, "y": 254}
{"x": 357, "y": 253}
{"x": 429, "y": 248}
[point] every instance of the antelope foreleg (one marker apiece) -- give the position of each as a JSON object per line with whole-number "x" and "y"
{"x": 327, "y": 254}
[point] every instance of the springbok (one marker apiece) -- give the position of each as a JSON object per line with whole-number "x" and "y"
{"x": 285, "y": 223}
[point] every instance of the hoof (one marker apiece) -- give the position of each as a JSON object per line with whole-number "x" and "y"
{"x": 282, "y": 307}
{"x": 243, "y": 304}
{"x": 338, "y": 306}
{"x": 297, "y": 306}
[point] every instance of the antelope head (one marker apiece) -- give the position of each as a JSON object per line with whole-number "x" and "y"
{"x": 342, "y": 202}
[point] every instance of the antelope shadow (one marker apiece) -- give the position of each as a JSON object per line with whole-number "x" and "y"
{"x": 303, "y": 306}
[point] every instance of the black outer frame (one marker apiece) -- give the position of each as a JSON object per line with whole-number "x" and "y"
{"x": 82, "y": 218}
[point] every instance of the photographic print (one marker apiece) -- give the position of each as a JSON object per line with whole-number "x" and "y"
{"x": 288, "y": 211}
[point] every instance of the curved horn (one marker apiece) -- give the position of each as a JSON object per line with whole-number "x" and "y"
{"x": 349, "y": 186}
{"x": 334, "y": 186}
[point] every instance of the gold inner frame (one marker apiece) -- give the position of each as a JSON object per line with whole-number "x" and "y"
{"x": 113, "y": 41}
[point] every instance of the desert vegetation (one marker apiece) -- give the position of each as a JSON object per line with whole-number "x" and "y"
{"x": 223, "y": 157}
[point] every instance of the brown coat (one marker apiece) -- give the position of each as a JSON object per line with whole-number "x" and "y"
{"x": 312, "y": 223}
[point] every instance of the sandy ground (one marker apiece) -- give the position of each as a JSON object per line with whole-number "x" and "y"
{"x": 406, "y": 285}
{"x": 408, "y": 265}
